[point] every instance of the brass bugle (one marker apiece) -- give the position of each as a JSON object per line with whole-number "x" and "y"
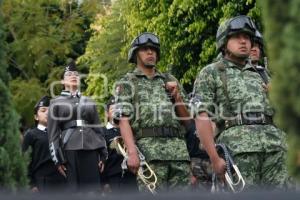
{"x": 233, "y": 177}
{"x": 145, "y": 173}
{"x": 237, "y": 185}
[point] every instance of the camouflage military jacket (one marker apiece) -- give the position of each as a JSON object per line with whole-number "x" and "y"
{"x": 246, "y": 94}
{"x": 145, "y": 101}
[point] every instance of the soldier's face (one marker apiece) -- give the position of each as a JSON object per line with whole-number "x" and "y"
{"x": 146, "y": 57}
{"x": 239, "y": 45}
{"x": 42, "y": 115}
{"x": 255, "y": 53}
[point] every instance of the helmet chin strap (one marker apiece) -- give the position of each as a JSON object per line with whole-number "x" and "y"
{"x": 236, "y": 58}
{"x": 149, "y": 66}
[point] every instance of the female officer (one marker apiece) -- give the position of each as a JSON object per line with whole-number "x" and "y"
{"x": 77, "y": 146}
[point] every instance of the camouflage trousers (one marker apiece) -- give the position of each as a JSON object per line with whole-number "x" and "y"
{"x": 263, "y": 170}
{"x": 202, "y": 171}
{"x": 171, "y": 176}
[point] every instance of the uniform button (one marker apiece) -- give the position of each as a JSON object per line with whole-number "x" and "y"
{"x": 80, "y": 130}
{"x": 76, "y": 103}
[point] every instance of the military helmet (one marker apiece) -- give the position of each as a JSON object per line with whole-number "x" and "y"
{"x": 233, "y": 25}
{"x": 258, "y": 38}
{"x": 144, "y": 39}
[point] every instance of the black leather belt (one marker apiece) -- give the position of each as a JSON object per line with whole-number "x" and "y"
{"x": 250, "y": 118}
{"x": 74, "y": 123}
{"x": 158, "y": 132}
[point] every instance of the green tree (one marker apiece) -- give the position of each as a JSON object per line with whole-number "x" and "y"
{"x": 26, "y": 93}
{"x": 42, "y": 35}
{"x": 12, "y": 164}
{"x": 104, "y": 53}
{"x": 282, "y": 25}
{"x": 187, "y": 29}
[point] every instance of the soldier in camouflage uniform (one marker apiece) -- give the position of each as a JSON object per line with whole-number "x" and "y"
{"x": 148, "y": 105}
{"x": 231, "y": 92}
{"x": 258, "y": 58}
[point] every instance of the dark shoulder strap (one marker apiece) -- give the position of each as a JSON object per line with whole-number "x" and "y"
{"x": 222, "y": 71}
{"x": 132, "y": 77}
{"x": 263, "y": 74}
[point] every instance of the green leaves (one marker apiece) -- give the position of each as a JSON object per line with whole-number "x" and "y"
{"x": 186, "y": 28}
{"x": 12, "y": 163}
{"x": 282, "y": 39}
{"x": 42, "y": 35}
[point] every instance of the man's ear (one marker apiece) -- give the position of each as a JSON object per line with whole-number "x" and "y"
{"x": 36, "y": 117}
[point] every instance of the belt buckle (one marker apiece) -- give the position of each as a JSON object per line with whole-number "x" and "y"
{"x": 226, "y": 124}
{"x": 239, "y": 119}
{"x": 79, "y": 122}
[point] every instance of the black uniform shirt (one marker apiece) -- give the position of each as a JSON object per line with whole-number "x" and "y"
{"x": 114, "y": 161}
{"x": 37, "y": 139}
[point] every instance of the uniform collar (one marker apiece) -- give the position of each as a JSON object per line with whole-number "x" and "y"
{"x": 109, "y": 126}
{"x": 41, "y": 127}
{"x": 260, "y": 68}
{"x": 68, "y": 93}
{"x": 139, "y": 72}
{"x": 231, "y": 64}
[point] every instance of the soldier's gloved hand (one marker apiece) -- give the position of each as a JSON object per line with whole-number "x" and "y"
{"x": 219, "y": 167}
{"x": 133, "y": 161}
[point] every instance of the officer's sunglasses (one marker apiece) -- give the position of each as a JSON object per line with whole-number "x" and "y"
{"x": 71, "y": 73}
{"x": 241, "y": 22}
{"x": 147, "y": 37}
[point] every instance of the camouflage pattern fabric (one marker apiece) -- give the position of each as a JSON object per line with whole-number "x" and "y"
{"x": 202, "y": 170}
{"x": 179, "y": 179}
{"x": 246, "y": 94}
{"x": 147, "y": 104}
{"x": 263, "y": 169}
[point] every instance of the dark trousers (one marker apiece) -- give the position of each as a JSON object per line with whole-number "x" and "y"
{"x": 48, "y": 178}
{"x": 123, "y": 184}
{"x": 83, "y": 173}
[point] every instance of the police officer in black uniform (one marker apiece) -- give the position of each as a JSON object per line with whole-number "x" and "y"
{"x": 42, "y": 172}
{"x": 76, "y": 141}
{"x": 114, "y": 178}
{"x": 200, "y": 163}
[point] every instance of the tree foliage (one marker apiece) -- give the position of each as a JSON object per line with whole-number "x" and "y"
{"x": 186, "y": 29}
{"x": 282, "y": 26}
{"x": 12, "y": 164}
{"x": 104, "y": 54}
{"x": 42, "y": 35}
